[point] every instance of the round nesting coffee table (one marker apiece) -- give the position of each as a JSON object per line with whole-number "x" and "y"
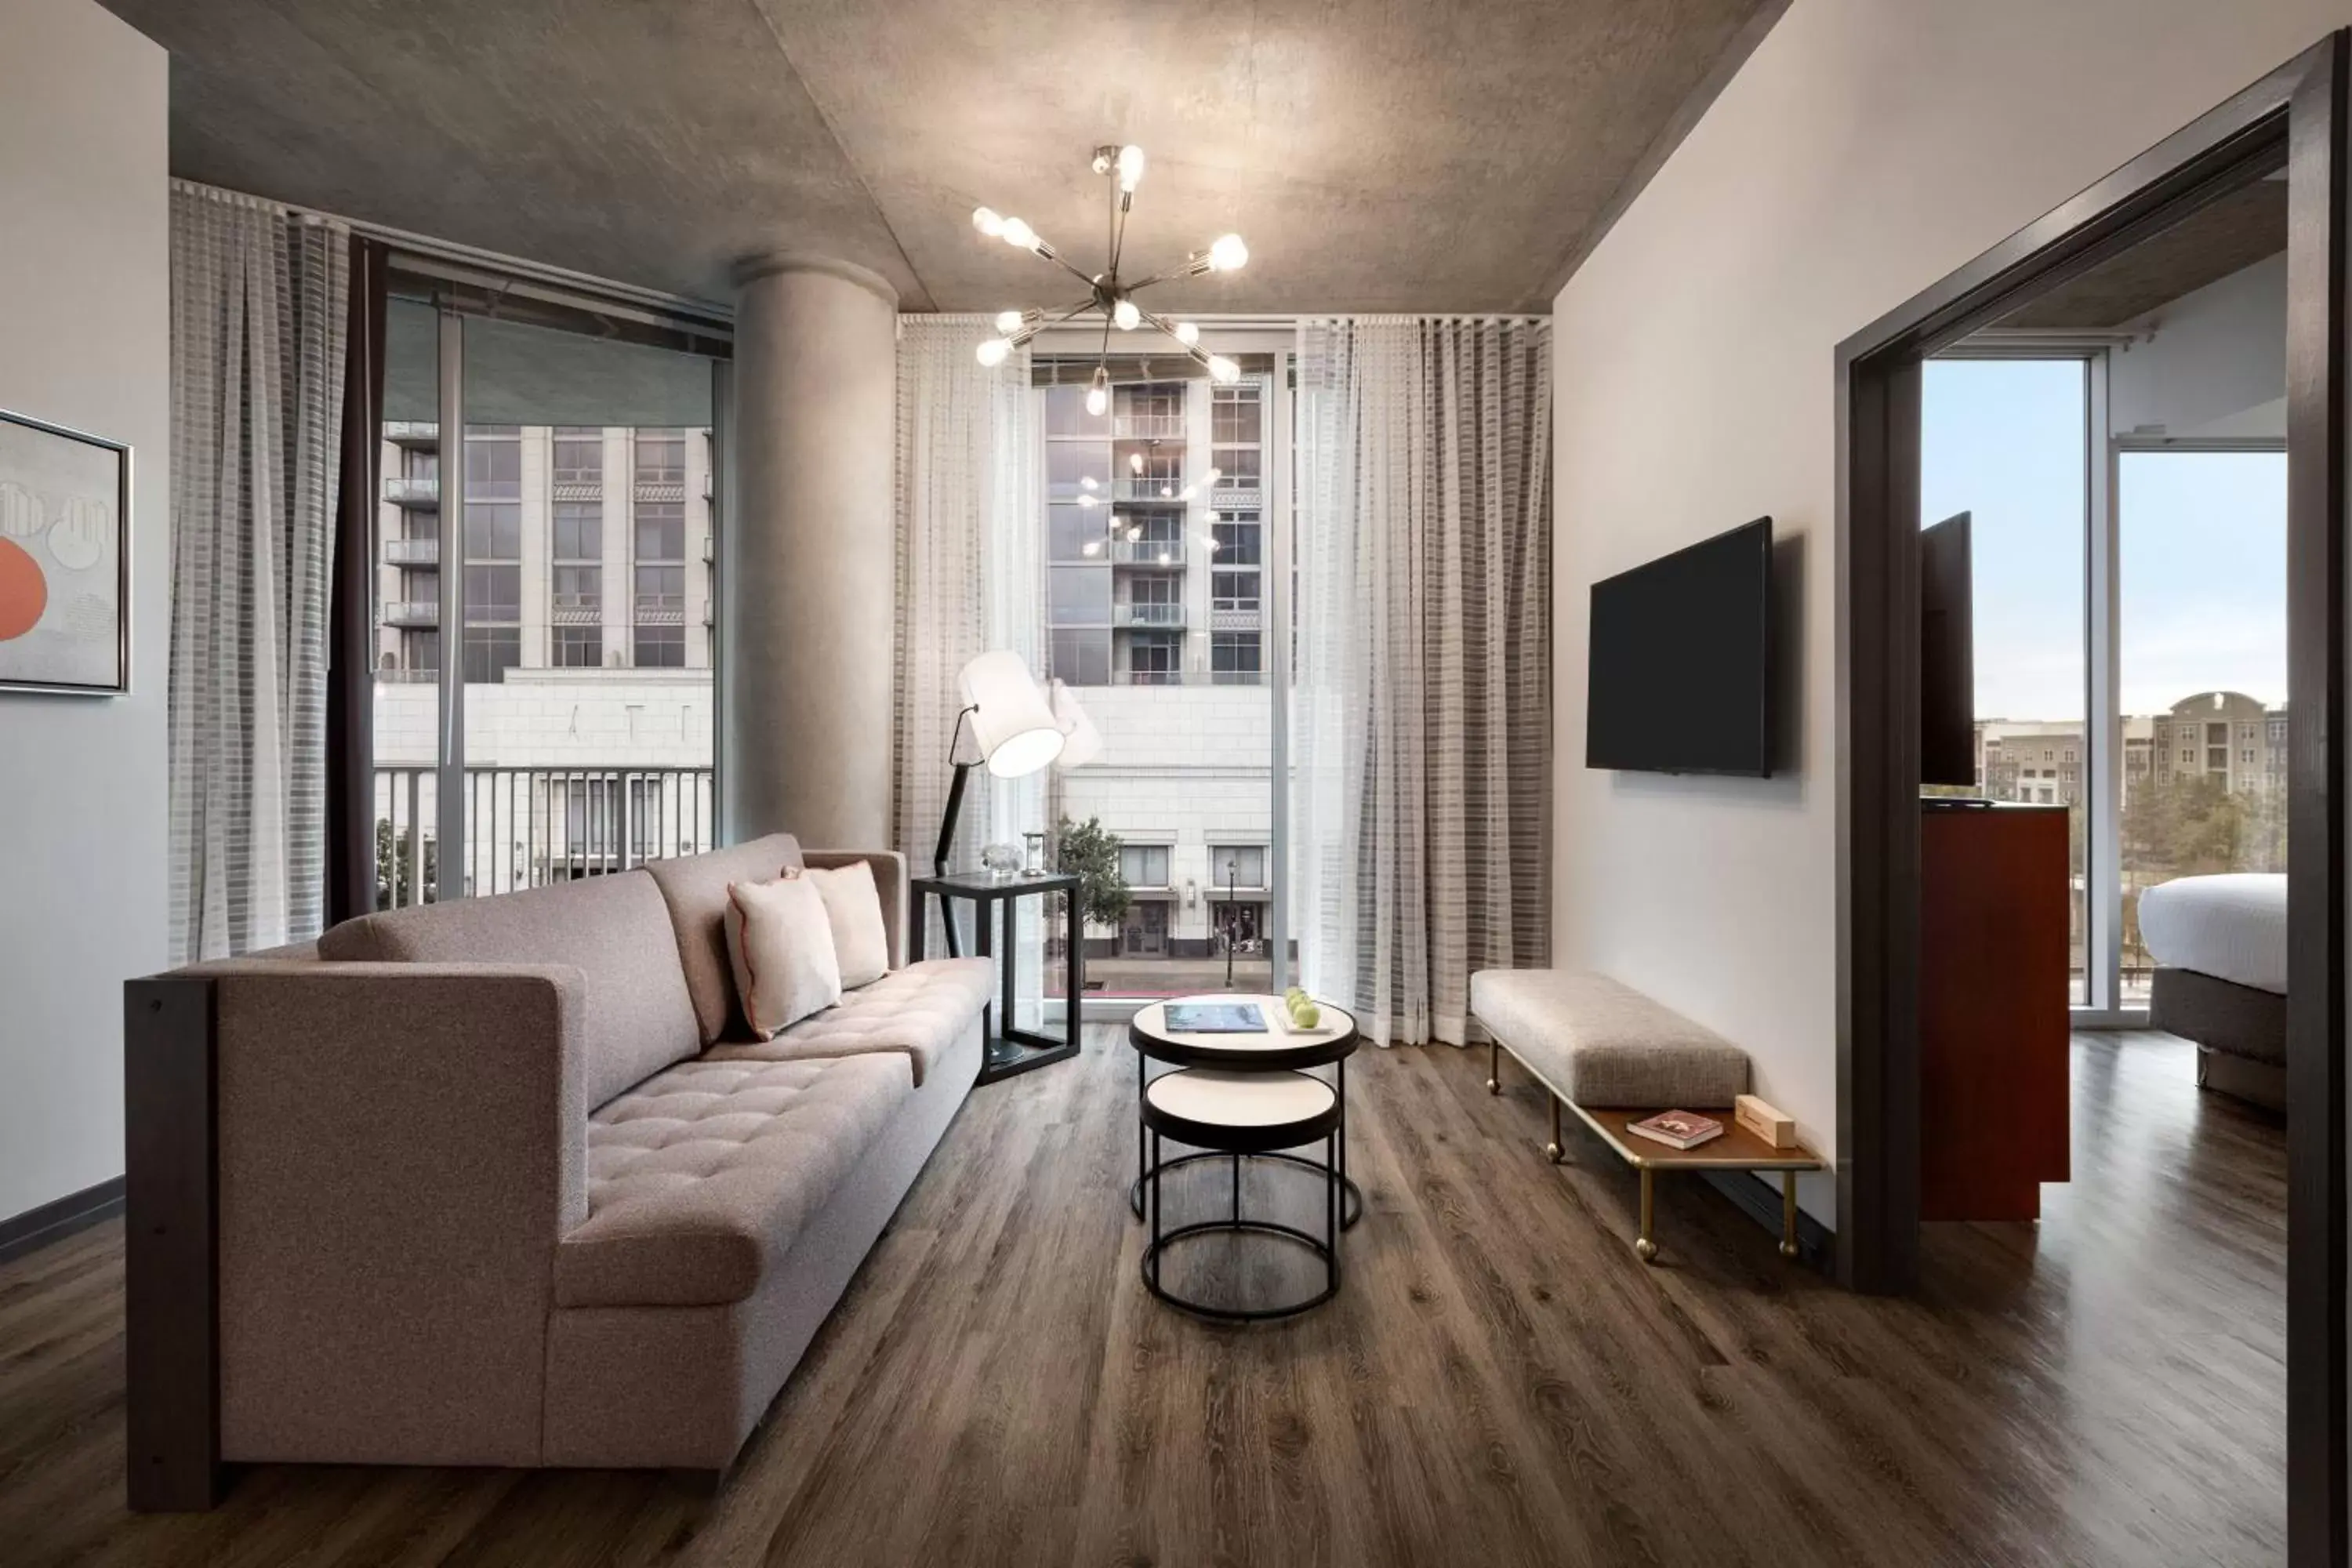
{"x": 1275, "y": 1050}
{"x": 1242, "y": 1115}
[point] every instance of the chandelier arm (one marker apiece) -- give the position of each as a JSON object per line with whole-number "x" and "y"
{"x": 1199, "y": 355}
{"x": 1058, "y": 259}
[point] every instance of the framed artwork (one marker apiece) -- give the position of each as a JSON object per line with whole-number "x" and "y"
{"x": 65, "y": 560}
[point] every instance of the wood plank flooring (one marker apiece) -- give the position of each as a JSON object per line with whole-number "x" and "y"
{"x": 1499, "y": 1383}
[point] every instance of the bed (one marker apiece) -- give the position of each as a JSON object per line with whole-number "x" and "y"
{"x": 2220, "y": 947}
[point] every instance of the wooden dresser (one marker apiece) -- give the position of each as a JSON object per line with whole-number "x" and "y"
{"x": 1994, "y": 1035}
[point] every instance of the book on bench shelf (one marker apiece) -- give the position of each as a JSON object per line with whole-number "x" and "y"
{"x": 1676, "y": 1129}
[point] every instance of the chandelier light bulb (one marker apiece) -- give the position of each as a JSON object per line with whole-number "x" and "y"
{"x": 1091, "y": 547}
{"x": 1228, "y": 255}
{"x": 1086, "y": 481}
{"x": 1011, "y": 321}
{"x": 1214, "y": 475}
{"x": 1135, "y": 534}
{"x": 1130, "y": 167}
{"x": 1086, "y": 501}
{"x": 986, "y": 220}
{"x": 1167, "y": 489}
{"x": 1223, "y": 369}
{"x": 992, "y": 353}
{"x": 1135, "y": 462}
{"x": 1187, "y": 334}
{"x": 1211, "y": 543}
{"x": 1125, "y": 316}
{"x": 1098, "y": 392}
{"x": 1186, "y": 493}
{"x": 1017, "y": 233}
{"x": 1165, "y": 558}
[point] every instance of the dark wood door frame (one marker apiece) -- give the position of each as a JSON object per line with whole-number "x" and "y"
{"x": 2295, "y": 115}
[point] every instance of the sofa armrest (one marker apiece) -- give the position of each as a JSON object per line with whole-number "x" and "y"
{"x": 397, "y": 1149}
{"x": 889, "y": 879}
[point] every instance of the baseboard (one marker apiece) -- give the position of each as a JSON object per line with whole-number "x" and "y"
{"x": 1816, "y": 1243}
{"x": 54, "y": 1221}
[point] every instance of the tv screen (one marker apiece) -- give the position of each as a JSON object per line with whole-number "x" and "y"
{"x": 1678, "y": 679}
{"x": 1947, "y": 676}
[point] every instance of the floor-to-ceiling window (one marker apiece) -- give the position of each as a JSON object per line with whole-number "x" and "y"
{"x": 560, "y": 551}
{"x": 2006, "y": 441}
{"x": 2201, "y": 553}
{"x": 1159, "y": 610}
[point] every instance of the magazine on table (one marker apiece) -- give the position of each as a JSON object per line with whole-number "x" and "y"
{"x": 1214, "y": 1018}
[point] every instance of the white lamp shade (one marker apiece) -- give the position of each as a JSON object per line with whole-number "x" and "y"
{"x": 1011, "y": 719}
{"x": 1082, "y": 742}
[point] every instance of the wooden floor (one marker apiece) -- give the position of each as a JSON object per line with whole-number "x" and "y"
{"x": 1499, "y": 1382}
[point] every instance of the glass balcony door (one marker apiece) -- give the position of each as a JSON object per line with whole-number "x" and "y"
{"x": 545, "y": 603}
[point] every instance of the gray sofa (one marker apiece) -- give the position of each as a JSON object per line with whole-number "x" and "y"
{"x": 507, "y": 1180}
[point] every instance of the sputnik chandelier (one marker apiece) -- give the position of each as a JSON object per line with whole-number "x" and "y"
{"x": 1108, "y": 292}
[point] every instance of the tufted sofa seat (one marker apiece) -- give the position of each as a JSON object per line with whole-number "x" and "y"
{"x": 501, "y": 1182}
{"x": 701, "y": 1178}
{"x": 915, "y": 1012}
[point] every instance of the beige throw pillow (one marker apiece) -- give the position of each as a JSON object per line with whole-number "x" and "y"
{"x": 853, "y": 900}
{"x": 780, "y": 941}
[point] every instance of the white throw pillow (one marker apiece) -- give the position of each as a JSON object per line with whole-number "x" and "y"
{"x": 861, "y": 943}
{"x": 780, "y": 940}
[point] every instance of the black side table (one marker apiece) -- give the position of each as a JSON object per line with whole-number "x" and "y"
{"x": 1011, "y": 1049}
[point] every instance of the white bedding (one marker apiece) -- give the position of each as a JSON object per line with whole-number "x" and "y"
{"x": 2231, "y": 927}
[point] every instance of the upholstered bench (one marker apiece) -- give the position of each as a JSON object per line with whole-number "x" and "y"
{"x": 1604, "y": 1049}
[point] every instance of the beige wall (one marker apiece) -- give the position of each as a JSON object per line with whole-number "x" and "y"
{"x": 1866, "y": 148}
{"x": 85, "y": 339}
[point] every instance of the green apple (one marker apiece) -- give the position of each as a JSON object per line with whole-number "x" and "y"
{"x": 1306, "y": 1013}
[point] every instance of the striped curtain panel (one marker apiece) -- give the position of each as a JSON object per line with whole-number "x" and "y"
{"x": 1421, "y": 718}
{"x": 259, "y": 323}
{"x": 971, "y": 576}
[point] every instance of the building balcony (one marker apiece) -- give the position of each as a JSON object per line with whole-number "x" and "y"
{"x": 412, "y": 613}
{"x": 1237, "y": 497}
{"x": 578, "y": 489}
{"x": 1155, "y": 615}
{"x": 1167, "y": 552}
{"x": 659, "y": 610}
{"x": 412, "y": 552}
{"x": 411, "y": 432}
{"x": 660, "y": 489}
{"x": 586, "y": 614}
{"x": 1167, "y": 491}
{"x": 402, "y": 489}
{"x": 1234, "y": 617}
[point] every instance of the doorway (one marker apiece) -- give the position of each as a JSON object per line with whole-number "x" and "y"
{"x": 2293, "y": 121}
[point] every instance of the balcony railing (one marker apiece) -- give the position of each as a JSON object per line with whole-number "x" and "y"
{"x": 412, "y": 613}
{"x": 1188, "y": 677}
{"x": 412, "y": 552}
{"x": 1148, "y": 427}
{"x": 1147, "y": 552}
{"x": 526, "y": 827}
{"x": 403, "y": 490}
{"x": 1146, "y": 615}
{"x": 1148, "y": 489}
{"x": 1235, "y": 615}
{"x": 411, "y": 432}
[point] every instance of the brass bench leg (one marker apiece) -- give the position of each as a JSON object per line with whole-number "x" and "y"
{"x": 1644, "y": 1248}
{"x": 1552, "y": 1150}
{"x": 1788, "y": 1214}
{"x": 1493, "y": 1067}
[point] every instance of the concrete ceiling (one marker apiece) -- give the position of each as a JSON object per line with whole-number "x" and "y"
{"x": 2226, "y": 235}
{"x": 1377, "y": 154}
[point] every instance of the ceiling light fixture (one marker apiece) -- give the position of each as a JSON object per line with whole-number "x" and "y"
{"x": 1107, "y": 293}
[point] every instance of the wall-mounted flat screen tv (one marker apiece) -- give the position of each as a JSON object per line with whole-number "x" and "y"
{"x": 1947, "y": 666}
{"x": 1679, "y": 674}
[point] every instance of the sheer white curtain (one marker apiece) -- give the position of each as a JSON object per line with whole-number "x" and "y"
{"x": 971, "y": 578}
{"x": 259, "y": 300}
{"x": 1422, "y": 708}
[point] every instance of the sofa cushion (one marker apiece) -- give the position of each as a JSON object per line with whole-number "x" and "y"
{"x": 1599, "y": 1042}
{"x": 695, "y": 889}
{"x": 779, "y": 950}
{"x": 916, "y": 1012}
{"x": 852, "y": 905}
{"x": 614, "y": 928}
{"x": 699, "y": 1179}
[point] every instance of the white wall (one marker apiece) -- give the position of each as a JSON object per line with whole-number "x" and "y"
{"x": 1866, "y": 148}
{"x": 2210, "y": 363}
{"x": 85, "y": 341}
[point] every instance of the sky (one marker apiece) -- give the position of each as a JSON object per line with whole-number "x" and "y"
{"x": 2203, "y": 541}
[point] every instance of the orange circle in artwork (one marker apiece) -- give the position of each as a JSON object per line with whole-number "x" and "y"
{"x": 24, "y": 591}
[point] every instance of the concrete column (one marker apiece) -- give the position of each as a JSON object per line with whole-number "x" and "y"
{"x": 809, "y": 586}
